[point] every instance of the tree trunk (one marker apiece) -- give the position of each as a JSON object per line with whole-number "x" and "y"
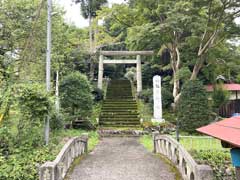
{"x": 92, "y": 67}
{"x": 95, "y": 36}
{"x": 57, "y": 103}
{"x": 197, "y": 68}
{"x": 176, "y": 87}
{"x": 175, "y": 58}
{"x": 90, "y": 35}
{"x": 91, "y": 70}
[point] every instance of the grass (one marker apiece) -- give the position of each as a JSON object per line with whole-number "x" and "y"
{"x": 144, "y": 110}
{"x": 64, "y": 135}
{"x": 200, "y": 143}
{"x": 96, "y": 112}
{"x": 147, "y": 142}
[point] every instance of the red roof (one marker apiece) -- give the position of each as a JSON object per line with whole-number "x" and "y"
{"x": 229, "y": 87}
{"x": 227, "y": 130}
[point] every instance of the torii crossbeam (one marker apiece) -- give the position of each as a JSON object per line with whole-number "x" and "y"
{"x": 136, "y": 61}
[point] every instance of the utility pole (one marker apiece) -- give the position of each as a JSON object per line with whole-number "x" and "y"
{"x": 48, "y": 64}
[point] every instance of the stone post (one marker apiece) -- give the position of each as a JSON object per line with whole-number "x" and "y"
{"x": 100, "y": 72}
{"x": 139, "y": 74}
{"x": 157, "y": 99}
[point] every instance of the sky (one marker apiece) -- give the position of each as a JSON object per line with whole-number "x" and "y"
{"x": 73, "y": 14}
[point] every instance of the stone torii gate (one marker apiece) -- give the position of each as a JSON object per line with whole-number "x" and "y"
{"x": 136, "y": 61}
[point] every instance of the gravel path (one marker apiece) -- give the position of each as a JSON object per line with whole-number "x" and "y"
{"x": 121, "y": 159}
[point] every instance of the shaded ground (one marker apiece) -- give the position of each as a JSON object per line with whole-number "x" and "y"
{"x": 121, "y": 159}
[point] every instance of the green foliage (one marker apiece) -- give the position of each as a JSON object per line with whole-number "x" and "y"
{"x": 147, "y": 96}
{"x": 96, "y": 113}
{"x": 219, "y": 96}
{"x": 34, "y": 101}
{"x": 6, "y": 140}
{"x": 23, "y": 162}
{"x": 56, "y": 120}
{"x": 76, "y": 97}
{"x": 183, "y": 74}
{"x": 219, "y": 160}
{"x": 34, "y": 104}
{"x": 167, "y": 98}
{"x": 192, "y": 108}
{"x": 145, "y": 111}
{"x": 90, "y": 7}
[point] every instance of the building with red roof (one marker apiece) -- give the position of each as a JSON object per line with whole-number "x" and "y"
{"x": 234, "y": 90}
{"x": 227, "y": 130}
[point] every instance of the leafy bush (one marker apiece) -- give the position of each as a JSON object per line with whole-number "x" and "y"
{"x": 220, "y": 161}
{"x": 76, "y": 97}
{"x": 23, "y": 163}
{"x": 56, "y": 121}
{"x": 167, "y": 98}
{"x": 147, "y": 95}
{"x": 34, "y": 101}
{"x": 34, "y": 105}
{"x": 5, "y": 140}
{"x": 219, "y": 96}
{"x": 192, "y": 108}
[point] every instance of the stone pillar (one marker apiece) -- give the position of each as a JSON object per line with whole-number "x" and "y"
{"x": 139, "y": 74}
{"x": 157, "y": 99}
{"x": 100, "y": 72}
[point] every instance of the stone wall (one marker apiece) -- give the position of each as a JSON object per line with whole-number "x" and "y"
{"x": 57, "y": 169}
{"x": 175, "y": 152}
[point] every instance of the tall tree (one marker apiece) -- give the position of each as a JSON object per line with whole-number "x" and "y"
{"x": 89, "y": 10}
{"x": 218, "y": 24}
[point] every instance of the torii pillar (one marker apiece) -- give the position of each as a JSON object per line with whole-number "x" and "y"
{"x": 139, "y": 74}
{"x": 100, "y": 72}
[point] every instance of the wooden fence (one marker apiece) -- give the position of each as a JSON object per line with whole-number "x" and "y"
{"x": 233, "y": 106}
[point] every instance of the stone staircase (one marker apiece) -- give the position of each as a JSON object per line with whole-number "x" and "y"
{"x": 119, "y": 108}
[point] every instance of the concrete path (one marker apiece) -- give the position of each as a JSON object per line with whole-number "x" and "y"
{"x": 121, "y": 159}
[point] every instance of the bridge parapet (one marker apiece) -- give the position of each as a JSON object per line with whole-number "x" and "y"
{"x": 57, "y": 169}
{"x": 175, "y": 152}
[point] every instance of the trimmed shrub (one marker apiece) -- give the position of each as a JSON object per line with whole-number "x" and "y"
{"x": 192, "y": 108}
{"x": 75, "y": 94}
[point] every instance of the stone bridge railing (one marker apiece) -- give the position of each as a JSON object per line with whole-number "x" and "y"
{"x": 175, "y": 152}
{"x": 57, "y": 169}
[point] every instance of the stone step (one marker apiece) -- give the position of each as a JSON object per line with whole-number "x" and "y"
{"x": 118, "y": 123}
{"x": 120, "y": 126}
{"x": 119, "y": 97}
{"x": 119, "y": 105}
{"x": 119, "y": 120}
{"x": 119, "y": 109}
{"x": 120, "y": 100}
{"x": 125, "y": 115}
{"x": 119, "y": 113}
